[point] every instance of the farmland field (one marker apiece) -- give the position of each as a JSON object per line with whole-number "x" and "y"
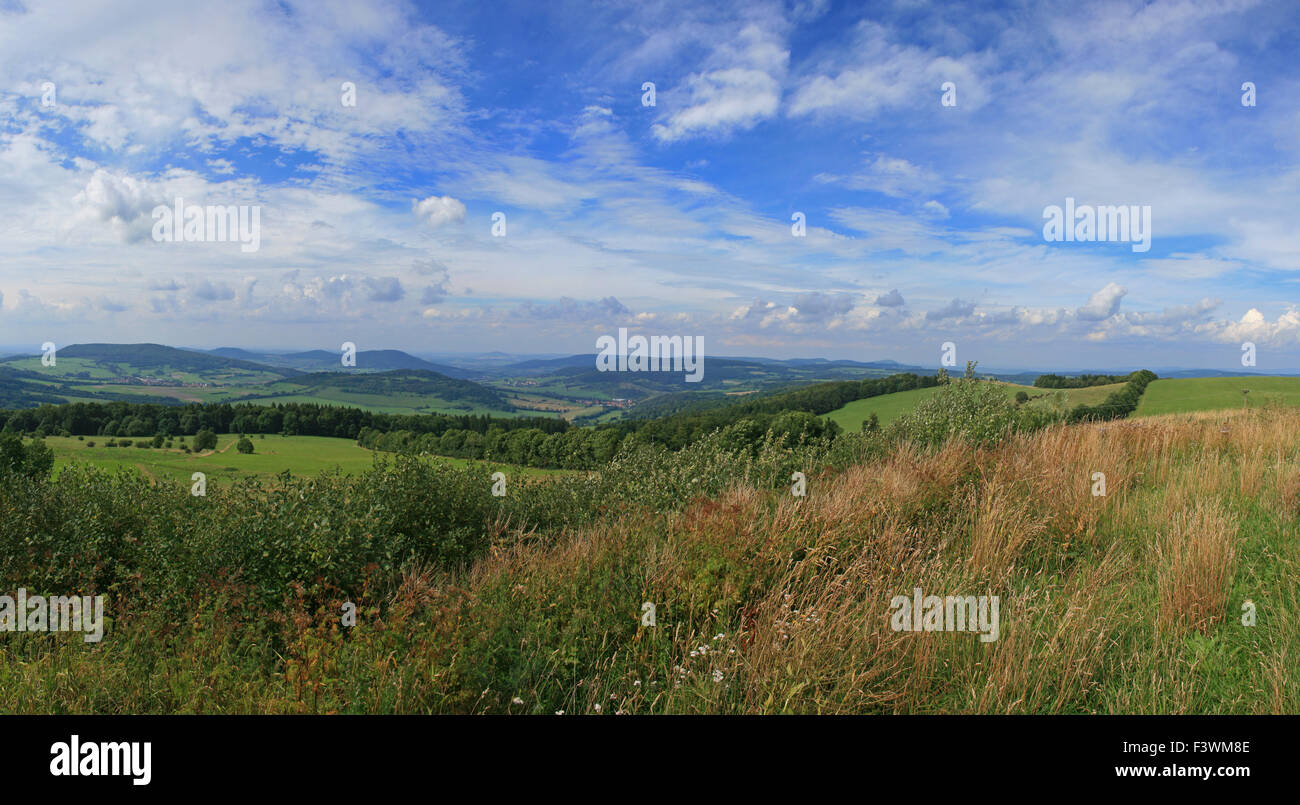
{"x": 300, "y": 455}
{"x": 1217, "y": 393}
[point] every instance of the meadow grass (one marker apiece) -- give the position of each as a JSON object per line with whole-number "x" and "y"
{"x": 1217, "y": 393}
{"x": 765, "y": 602}
{"x": 299, "y": 455}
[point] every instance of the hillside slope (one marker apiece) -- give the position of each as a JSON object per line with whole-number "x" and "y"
{"x": 1166, "y": 396}
{"x": 696, "y": 583}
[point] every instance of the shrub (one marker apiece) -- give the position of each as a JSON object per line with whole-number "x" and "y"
{"x": 244, "y": 445}
{"x": 35, "y": 460}
{"x": 974, "y": 410}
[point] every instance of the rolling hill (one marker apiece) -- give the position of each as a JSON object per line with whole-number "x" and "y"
{"x": 397, "y": 391}
{"x": 320, "y": 360}
{"x": 143, "y": 362}
{"x": 1179, "y": 395}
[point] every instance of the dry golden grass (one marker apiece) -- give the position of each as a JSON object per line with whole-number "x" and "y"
{"x": 1194, "y": 557}
{"x": 1096, "y": 590}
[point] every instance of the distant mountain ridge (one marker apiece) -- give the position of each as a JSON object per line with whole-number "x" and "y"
{"x": 321, "y": 360}
{"x": 158, "y": 356}
{"x": 588, "y": 361}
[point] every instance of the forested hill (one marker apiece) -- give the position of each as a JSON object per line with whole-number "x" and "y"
{"x": 691, "y": 423}
{"x": 403, "y": 381}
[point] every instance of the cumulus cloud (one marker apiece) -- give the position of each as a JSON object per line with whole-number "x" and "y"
{"x": 1255, "y": 326}
{"x": 440, "y": 276}
{"x": 439, "y": 210}
{"x": 762, "y": 313}
{"x": 822, "y": 306}
{"x": 1103, "y": 304}
{"x": 956, "y": 309}
{"x": 891, "y": 299}
{"x": 122, "y": 200}
{"x": 207, "y": 291}
{"x": 573, "y": 310}
{"x": 384, "y": 289}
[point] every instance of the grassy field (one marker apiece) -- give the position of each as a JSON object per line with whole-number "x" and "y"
{"x": 1176, "y": 591}
{"x": 300, "y": 455}
{"x": 1217, "y": 393}
{"x": 1092, "y": 395}
{"x": 889, "y": 407}
{"x": 1161, "y": 397}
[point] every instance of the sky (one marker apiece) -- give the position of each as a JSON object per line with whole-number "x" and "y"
{"x": 809, "y": 179}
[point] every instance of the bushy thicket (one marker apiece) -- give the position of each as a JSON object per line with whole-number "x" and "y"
{"x": 679, "y": 430}
{"x": 591, "y": 448}
{"x": 1117, "y": 404}
{"x": 1050, "y": 381}
{"x": 576, "y": 448}
{"x": 32, "y": 460}
{"x": 97, "y": 531}
{"x": 977, "y": 411}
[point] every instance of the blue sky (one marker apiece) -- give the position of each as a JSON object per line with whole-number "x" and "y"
{"x": 924, "y": 222}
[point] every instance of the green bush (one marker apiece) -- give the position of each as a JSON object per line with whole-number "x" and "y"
{"x": 205, "y": 440}
{"x": 34, "y": 460}
{"x": 977, "y": 411}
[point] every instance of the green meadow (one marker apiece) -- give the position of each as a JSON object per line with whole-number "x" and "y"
{"x": 306, "y": 456}
{"x": 1161, "y": 397}
{"x": 1217, "y": 393}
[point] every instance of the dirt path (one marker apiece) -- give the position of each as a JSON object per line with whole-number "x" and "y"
{"x": 207, "y": 453}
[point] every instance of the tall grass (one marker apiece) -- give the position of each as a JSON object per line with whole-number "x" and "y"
{"x": 764, "y": 602}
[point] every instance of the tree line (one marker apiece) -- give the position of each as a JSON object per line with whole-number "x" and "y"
{"x": 1050, "y": 381}
{"x": 679, "y": 430}
{"x": 290, "y": 419}
{"x": 1118, "y": 404}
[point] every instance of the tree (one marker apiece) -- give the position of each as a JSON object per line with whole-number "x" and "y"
{"x": 244, "y": 445}
{"x": 871, "y": 424}
{"x": 1021, "y": 398}
{"x": 205, "y": 440}
{"x": 35, "y": 460}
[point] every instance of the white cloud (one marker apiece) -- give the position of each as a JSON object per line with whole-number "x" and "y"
{"x": 440, "y": 210}
{"x": 1103, "y": 304}
{"x": 742, "y": 91}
